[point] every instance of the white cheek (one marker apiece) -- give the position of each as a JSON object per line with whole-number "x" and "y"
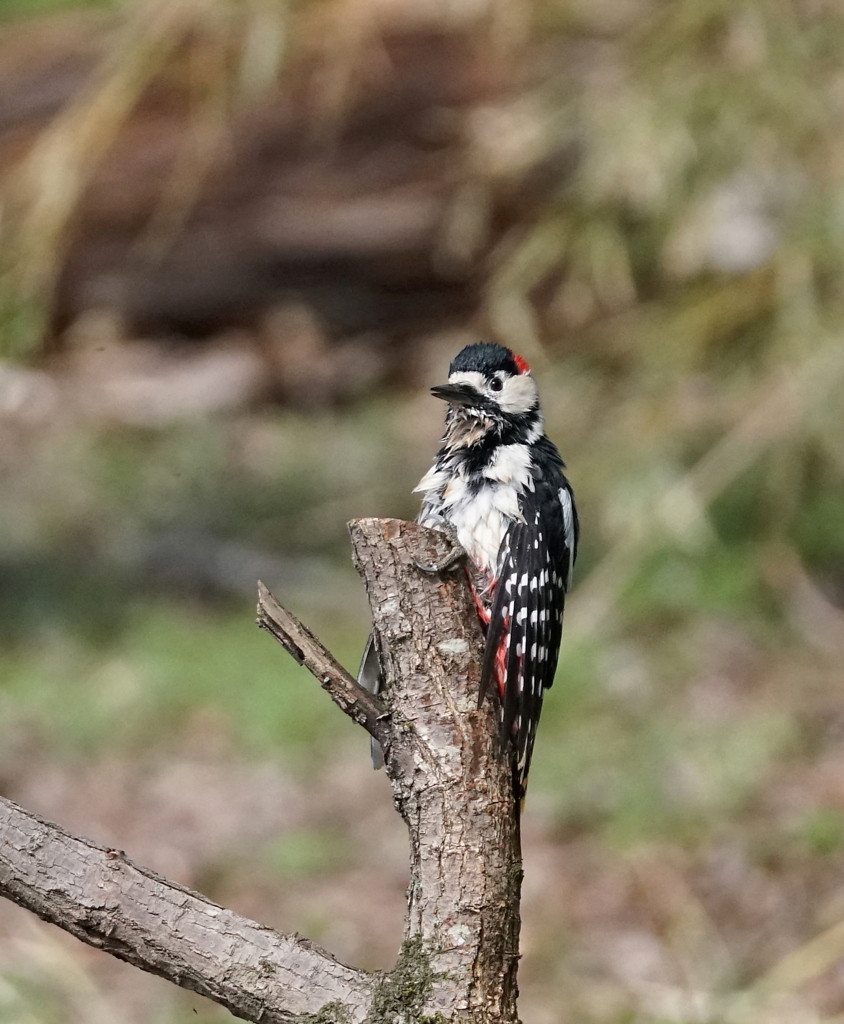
{"x": 519, "y": 394}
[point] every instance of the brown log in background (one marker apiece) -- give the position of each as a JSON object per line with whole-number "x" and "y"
{"x": 451, "y": 783}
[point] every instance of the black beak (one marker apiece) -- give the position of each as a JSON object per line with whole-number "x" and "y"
{"x": 456, "y": 394}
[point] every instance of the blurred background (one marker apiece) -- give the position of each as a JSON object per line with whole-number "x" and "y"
{"x": 239, "y": 239}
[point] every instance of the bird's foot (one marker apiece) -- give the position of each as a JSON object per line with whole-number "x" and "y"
{"x": 453, "y": 558}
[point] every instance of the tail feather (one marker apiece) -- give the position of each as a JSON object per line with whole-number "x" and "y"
{"x": 370, "y": 678}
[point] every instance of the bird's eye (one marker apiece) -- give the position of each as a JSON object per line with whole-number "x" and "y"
{"x": 496, "y": 384}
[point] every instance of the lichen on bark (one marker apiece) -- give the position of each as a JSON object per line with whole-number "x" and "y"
{"x": 400, "y": 996}
{"x": 332, "y": 1013}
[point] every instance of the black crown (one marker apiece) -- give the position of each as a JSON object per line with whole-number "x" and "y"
{"x": 484, "y": 357}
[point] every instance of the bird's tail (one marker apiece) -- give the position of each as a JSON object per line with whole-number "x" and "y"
{"x": 370, "y": 678}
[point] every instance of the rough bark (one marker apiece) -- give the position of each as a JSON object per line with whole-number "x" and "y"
{"x": 102, "y": 898}
{"x": 452, "y": 784}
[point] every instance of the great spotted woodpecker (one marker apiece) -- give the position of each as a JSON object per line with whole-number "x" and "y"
{"x": 498, "y": 488}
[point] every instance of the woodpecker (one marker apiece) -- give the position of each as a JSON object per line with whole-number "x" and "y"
{"x": 497, "y": 487}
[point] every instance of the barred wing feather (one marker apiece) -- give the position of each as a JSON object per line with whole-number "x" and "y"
{"x": 525, "y": 627}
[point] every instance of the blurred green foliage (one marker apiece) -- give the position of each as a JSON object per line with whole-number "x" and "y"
{"x": 130, "y": 558}
{"x": 140, "y": 685}
{"x": 306, "y": 852}
{"x": 11, "y": 9}
{"x": 681, "y": 298}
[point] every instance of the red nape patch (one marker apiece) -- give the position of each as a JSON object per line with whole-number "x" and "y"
{"x": 521, "y": 364}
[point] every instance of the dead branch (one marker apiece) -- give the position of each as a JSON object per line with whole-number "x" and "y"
{"x": 102, "y": 898}
{"x": 363, "y": 707}
{"x": 451, "y": 783}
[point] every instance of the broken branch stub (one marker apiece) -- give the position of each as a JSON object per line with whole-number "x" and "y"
{"x": 361, "y": 706}
{"x": 452, "y": 782}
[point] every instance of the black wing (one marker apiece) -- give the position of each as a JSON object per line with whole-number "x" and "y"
{"x": 526, "y": 617}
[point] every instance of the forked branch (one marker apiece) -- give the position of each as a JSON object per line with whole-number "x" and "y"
{"x": 451, "y": 783}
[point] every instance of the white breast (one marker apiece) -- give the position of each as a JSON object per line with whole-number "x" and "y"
{"x": 480, "y": 515}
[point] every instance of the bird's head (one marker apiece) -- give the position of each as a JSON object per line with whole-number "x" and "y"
{"x": 489, "y": 382}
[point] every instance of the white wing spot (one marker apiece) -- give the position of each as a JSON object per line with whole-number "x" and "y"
{"x": 568, "y": 516}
